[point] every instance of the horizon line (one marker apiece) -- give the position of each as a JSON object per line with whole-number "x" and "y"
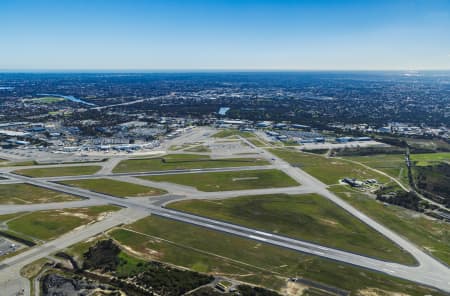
{"x": 200, "y": 70}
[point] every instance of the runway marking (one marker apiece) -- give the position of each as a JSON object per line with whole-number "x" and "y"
{"x": 257, "y": 237}
{"x": 263, "y": 233}
{"x": 323, "y": 248}
{"x": 432, "y": 279}
{"x": 388, "y": 270}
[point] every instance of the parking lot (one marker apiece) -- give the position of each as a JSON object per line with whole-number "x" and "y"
{"x": 7, "y": 246}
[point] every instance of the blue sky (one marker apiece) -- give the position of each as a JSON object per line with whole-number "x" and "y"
{"x": 219, "y": 34}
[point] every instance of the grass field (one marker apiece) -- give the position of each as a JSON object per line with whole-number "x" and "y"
{"x": 249, "y": 261}
{"x": 309, "y": 217}
{"x": 32, "y": 270}
{"x": 182, "y": 161}
{"x": 198, "y": 149}
{"x": 327, "y": 170}
{"x": 179, "y": 147}
{"x": 232, "y": 132}
{"x": 251, "y": 137}
{"x": 6, "y": 217}
{"x": 115, "y": 188}
{"x": 17, "y": 163}
{"x": 191, "y": 147}
{"x": 223, "y": 181}
{"x": 257, "y": 142}
{"x": 47, "y": 225}
{"x": 432, "y": 145}
{"x": 392, "y": 164}
{"x": 290, "y": 143}
{"x": 431, "y": 235}
{"x": 46, "y": 100}
{"x": 429, "y": 158}
{"x": 59, "y": 171}
{"x": 29, "y": 194}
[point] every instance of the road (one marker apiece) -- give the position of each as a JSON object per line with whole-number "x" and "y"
{"x": 429, "y": 271}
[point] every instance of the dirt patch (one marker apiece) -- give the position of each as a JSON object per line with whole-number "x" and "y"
{"x": 245, "y": 179}
{"x": 78, "y": 215}
{"x": 379, "y": 292}
{"x": 329, "y": 222}
{"x": 429, "y": 249}
{"x": 148, "y": 253}
{"x": 294, "y": 289}
{"x": 102, "y": 216}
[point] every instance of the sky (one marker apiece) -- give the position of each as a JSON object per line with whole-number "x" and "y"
{"x": 224, "y": 35}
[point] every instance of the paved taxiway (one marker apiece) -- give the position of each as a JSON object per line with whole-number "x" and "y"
{"x": 429, "y": 271}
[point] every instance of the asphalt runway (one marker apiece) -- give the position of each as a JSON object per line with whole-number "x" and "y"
{"x": 429, "y": 271}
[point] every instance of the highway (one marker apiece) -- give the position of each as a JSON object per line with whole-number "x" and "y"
{"x": 429, "y": 271}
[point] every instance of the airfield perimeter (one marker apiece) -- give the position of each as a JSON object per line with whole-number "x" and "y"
{"x": 428, "y": 271}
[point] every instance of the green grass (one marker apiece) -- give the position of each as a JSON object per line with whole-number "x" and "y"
{"x": 317, "y": 151}
{"x": 128, "y": 265}
{"x": 309, "y": 217}
{"x": 33, "y": 269}
{"x": 232, "y": 132}
{"x": 246, "y": 260}
{"x": 432, "y": 145}
{"x": 290, "y": 143}
{"x": 115, "y": 188}
{"x": 257, "y": 142}
{"x": 182, "y": 161}
{"x": 179, "y": 147}
{"x": 198, "y": 149}
{"x": 251, "y": 137}
{"x": 224, "y": 181}
{"x": 47, "y": 225}
{"x": 59, "y": 171}
{"x": 426, "y": 159}
{"x": 327, "y": 170}
{"x": 29, "y": 194}
{"x": 6, "y": 217}
{"x": 17, "y": 163}
{"x": 78, "y": 250}
{"x": 392, "y": 164}
{"x": 431, "y": 235}
{"x": 46, "y": 100}
{"x": 190, "y": 147}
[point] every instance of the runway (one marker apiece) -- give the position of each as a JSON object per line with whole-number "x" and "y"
{"x": 429, "y": 271}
